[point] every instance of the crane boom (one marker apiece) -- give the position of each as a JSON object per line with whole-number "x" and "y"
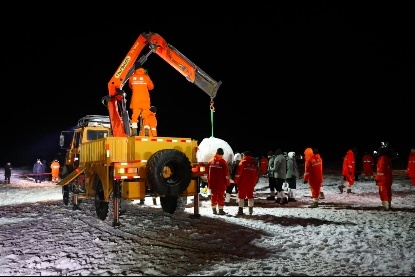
{"x": 116, "y": 101}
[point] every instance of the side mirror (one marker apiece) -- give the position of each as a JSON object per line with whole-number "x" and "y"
{"x": 62, "y": 140}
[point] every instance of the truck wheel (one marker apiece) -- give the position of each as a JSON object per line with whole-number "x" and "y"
{"x": 101, "y": 207}
{"x": 65, "y": 194}
{"x": 168, "y": 204}
{"x": 169, "y": 172}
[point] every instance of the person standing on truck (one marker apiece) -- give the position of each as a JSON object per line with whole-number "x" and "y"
{"x": 140, "y": 84}
{"x": 7, "y": 173}
{"x": 38, "y": 171}
{"x": 151, "y": 122}
{"x": 218, "y": 179}
{"x": 55, "y": 166}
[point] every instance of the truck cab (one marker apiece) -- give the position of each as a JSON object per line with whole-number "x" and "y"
{"x": 90, "y": 127}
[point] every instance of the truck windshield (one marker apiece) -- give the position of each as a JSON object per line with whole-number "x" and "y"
{"x": 96, "y": 134}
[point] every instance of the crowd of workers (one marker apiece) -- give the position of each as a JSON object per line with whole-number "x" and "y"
{"x": 282, "y": 171}
{"x": 281, "y": 168}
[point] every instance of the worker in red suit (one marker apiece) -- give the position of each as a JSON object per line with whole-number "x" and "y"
{"x": 246, "y": 178}
{"x": 411, "y": 165}
{"x": 348, "y": 170}
{"x": 313, "y": 175}
{"x": 151, "y": 122}
{"x": 383, "y": 176}
{"x": 263, "y": 166}
{"x": 140, "y": 84}
{"x": 218, "y": 179}
{"x": 368, "y": 165}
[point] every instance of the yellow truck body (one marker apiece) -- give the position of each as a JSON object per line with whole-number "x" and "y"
{"x": 127, "y": 157}
{"x": 130, "y": 168}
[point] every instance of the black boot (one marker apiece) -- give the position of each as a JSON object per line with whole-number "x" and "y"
{"x": 240, "y": 211}
{"x": 222, "y": 212}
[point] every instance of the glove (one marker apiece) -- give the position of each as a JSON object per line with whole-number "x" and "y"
{"x": 305, "y": 182}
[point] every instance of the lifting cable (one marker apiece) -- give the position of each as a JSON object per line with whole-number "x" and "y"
{"x": 212, "y": 110}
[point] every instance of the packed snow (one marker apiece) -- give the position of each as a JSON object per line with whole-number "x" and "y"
{"x": 348, "y": 234}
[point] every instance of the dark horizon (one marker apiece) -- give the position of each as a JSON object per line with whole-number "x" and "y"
{"x": 330, "y": 75}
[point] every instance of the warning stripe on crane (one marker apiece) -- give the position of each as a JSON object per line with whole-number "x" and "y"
{"x": 162, "y": 139}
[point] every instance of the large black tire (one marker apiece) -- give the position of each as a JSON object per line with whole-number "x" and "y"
{"x": 168, "y": 204}
{"x": 169, "y": 172}
{"x": 101, "y": 207}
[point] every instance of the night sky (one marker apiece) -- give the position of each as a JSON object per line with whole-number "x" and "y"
{"x": 296, "y": 74}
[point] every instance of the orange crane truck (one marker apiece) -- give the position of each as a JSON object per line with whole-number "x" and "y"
{"x": 105, "y": 162}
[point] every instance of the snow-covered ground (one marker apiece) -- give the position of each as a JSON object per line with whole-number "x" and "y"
{"x": 347, "y": 235}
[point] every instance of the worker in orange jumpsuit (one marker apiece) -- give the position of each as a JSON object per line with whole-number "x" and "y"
{"x": 218, "y": 179}
{"x": 140, "y": 84}
{"x": 151, "y": 122}
{"x": 368, "y": 166}
{"x": 313, "y": 174}
{"x": 316, "y": 152}
{"x": 411, "y": 165}
{"x": 348, "y": 171}
{"x": 263, "y": 166}
{"x": 383, "y": 176}
{"x": 246, "y": 177}
{"x": 55, "y": 166}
